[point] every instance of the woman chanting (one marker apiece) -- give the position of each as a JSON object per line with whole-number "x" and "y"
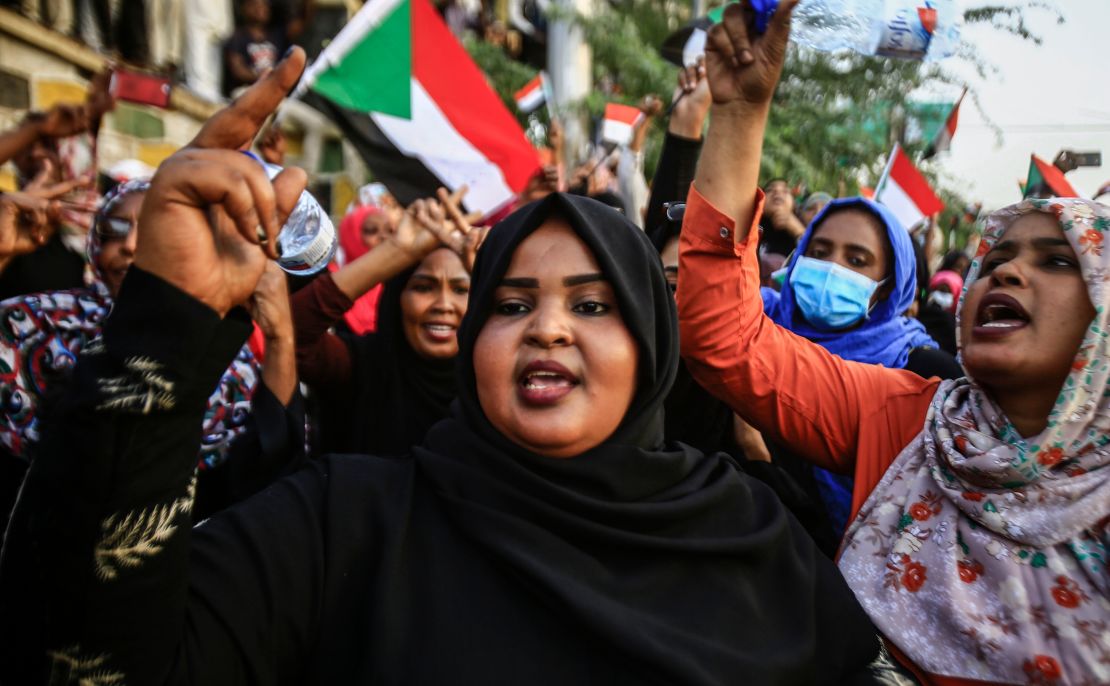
{"x": 979, "y": 532}
{"x": 41, "y": 336}
{"x": 380, "y": 392}
{"x": 541, "y": 534}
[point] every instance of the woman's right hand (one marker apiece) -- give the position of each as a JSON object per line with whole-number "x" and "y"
{"x": 209, "y": 204}
{"x": 744, "y": 69}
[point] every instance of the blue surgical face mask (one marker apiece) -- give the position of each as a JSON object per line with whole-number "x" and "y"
{"x": 829, "y": 296}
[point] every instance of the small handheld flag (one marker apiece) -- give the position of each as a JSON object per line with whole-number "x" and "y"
{"x": 619, "y": 123}
{"x": 144, "y": 89}
{"x": 943, "y": 139}
{"x": 533, "y": 95}
{"x": 1046, "y": 180}
{"x": 906, "y": 192}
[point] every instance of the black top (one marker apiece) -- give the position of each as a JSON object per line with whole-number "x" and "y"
{"x": 260, "y": 54}
{"x": 941, "y": 326}
{"x": 396, "y": 394}
{"x": 774, "y": 240}
{"x": 674, "y": 174}
{"x": 930, "y": 362}
{"x": 470, "y": 561}
{"x": 53, "y": 267}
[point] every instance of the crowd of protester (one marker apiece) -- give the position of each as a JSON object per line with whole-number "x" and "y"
{"x": 696, "y": 431}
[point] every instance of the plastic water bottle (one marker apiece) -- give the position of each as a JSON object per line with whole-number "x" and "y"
{"x": 907, "y": 29}
{"x": 308, "y": 239}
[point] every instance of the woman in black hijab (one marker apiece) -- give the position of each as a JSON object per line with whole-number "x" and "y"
{"x": 391, "y": 394}
{"x": 577, "y": 549}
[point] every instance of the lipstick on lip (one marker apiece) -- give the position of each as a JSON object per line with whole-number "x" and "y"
{"x": 545, "y": 382}
{"x": 999, "y": 314}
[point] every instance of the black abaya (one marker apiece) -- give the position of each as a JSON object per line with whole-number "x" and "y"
{"x": 473, "y": 561}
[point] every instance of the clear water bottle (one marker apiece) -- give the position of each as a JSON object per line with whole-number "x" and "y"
{"x": 308, "y": 239}
{"x": 908, "y": 29}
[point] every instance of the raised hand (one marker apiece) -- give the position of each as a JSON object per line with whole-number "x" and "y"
{"x": 692, "y": 101}
{"x": 28, "y": 218}
{"x": 651, "y": 106}
{"x": 269, "y": 305}
{"x": 210, "y": 207}
{"x": 465, "y": 238}
{"x": 743, "y": 68}
{"x": 542, "y": 184}
{"x": 100, "y": 100}
{"x": 61, "y": 121}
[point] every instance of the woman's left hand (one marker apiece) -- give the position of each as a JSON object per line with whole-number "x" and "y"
{"x": 269, "y": 305}
{"x": 464, "y": 238}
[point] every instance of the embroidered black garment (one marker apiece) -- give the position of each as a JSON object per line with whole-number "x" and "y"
{"x": 471, "y": 562}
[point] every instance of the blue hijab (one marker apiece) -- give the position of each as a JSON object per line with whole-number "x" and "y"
{"x": 886, "y": 337}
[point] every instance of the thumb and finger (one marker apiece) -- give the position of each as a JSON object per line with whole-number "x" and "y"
{"x": 41, "y": 179}
{"x": 233, "y": 181}
{"x": 236, "y": 125}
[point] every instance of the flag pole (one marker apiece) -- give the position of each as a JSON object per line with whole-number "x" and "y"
{"x": 886, "y": 170}
{"x": 548, "y": 96}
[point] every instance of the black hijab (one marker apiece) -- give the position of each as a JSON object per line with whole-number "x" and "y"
{"x": 397, "y": 395}
{"x": 668, "y": 560}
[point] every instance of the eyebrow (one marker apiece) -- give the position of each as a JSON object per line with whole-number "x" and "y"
{"x": 430, "y": 277}
{"x": 1045, "y": 242}
{"x": 670, "y": 270}
{"x": 576, "y": 280}
{"x": 825, "y": 242}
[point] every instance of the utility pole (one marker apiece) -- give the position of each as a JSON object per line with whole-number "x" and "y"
{"x": 568, "y": 65}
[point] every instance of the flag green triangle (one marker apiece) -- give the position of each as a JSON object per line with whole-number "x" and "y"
{"x": 375, "y": 74}
{"x": 1034, "y": 179}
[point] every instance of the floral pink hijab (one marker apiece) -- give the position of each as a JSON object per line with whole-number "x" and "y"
{"x": 983, "y": 555}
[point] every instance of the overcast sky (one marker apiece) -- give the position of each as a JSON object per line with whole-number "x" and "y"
{"x": 1044, "y": 98}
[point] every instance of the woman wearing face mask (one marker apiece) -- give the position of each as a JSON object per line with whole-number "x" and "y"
{"x": 847, "y": 288}
{"x": 980, "y": 529}
{"x": 542, "y": 534}
{"x": 382, "y": 391}
{"x": 41, "y": 336}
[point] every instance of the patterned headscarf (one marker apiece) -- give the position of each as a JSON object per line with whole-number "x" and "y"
{"x": 982, "y": 554}
{"x": 111, "y": 200}
{"x": 42, "y": 334}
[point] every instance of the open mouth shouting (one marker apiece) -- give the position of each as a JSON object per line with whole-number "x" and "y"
{"x": 545, "y": 382}
{"x": 439, "y": 331}
{"x": 999, "y": 315}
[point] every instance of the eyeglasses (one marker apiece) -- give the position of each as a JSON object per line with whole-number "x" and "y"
{"x": 113, "y": 227}
{"x": 675, "y": 210}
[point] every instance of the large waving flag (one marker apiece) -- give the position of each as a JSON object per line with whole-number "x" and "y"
{"x": 906, "y": 192}
{"x": 418, "y": 109}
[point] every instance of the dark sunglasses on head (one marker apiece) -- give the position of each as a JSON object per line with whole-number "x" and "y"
{"x": 113, "y": 227}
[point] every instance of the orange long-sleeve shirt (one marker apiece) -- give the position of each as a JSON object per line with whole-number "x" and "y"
{"x": 840, "y": 415}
